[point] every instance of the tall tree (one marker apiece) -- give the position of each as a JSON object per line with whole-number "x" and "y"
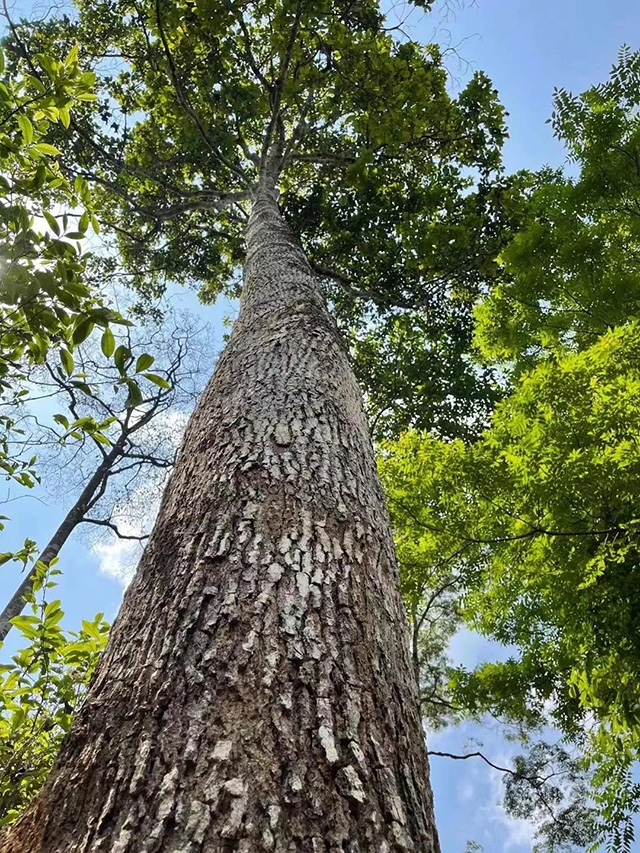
{"x": 257, "y": 692}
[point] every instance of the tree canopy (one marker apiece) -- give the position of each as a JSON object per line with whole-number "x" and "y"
{"x": 390, "y": 183}
{"x": 537, "y": 521}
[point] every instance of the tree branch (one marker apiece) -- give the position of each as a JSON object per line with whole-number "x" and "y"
{"x": 102, "y": 522}
{"x": 278, "y": 86}
{"x": 184, "y": 103}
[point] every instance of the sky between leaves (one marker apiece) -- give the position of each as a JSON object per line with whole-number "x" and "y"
{"x": 527, "y": 48}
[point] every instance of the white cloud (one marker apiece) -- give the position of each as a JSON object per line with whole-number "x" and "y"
{"x": 135, "y": 517}
{"x": 466, "y": 791}
{"x": 474, "y": 790}
{"x": 119, "y": 557}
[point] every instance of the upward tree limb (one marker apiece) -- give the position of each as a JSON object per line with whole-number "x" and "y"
{"x": 299, "y": 129}
{"x": 361, "y": 292}
{"x": 89, "y": 497}
{"x": 248, "y": 54}
{"x": 184, "y": 103}
{"x": 323, "y": 159}
{"x": 278, "y": 86}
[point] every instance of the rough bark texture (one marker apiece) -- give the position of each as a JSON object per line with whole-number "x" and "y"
{"x": 256, "y": 694}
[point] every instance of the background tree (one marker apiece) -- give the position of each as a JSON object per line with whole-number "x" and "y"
{"x": 44, "y": 298}
{"x": 111, "y": 435}
{"x": 47, "y": 306}
{"x": 539, "y": 515}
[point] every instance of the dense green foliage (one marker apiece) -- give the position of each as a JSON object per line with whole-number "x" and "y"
{"x": 390, "y": 183}
{"x": 39, "y": 690}
{"x": 43, "y": 292}
{"x": 572, "y": 273}
{"x": 535, "y": 526}
{"x": 44, "y": 299}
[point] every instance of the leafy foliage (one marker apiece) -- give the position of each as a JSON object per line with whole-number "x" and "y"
{"x": 572, "y": 273}
{"x": 537, "y": 521}
{"x": 39, "y": 691}
{"x": 373, "y": 159}
{"x": 535, "y": 527}
{"x": 43, "y": 297}
{"x": 418, "y": 371}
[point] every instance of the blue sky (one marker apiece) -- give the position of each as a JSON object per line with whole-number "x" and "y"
{"x": 527, "y": 47}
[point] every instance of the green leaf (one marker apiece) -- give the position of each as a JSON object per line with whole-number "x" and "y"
{"x": 47, "y": 62}
{"x": 83, "y": 423}
{"x": 91, "y": 629}
{"x": 67, "y": 361}
{"x": 82, "y": 331}
{"x": 21, "y": 622}
{"x": 144, "y": 361}
{"x": 63, "y": 420}
{"x": 45, "y": 148}
{"x": 121, "y": 357}
{"x": 108, "y": 343}
{"x": 72, "y": 56}
{"x": 134, "y": 398}
{"x": 27, "y": 129}
{"x": 84, "y": 387}
{"x": 52, "y": 222}
{"x": 80, "y": 185}
{"x": 157, "y": 380}
{"x": 52, "y": 607}
{"x": 40, "y": 176}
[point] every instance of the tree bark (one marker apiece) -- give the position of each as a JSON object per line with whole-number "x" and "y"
{"x": 256, "y": 693}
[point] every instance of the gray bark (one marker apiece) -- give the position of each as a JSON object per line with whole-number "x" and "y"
{"x": 256, "y": 693}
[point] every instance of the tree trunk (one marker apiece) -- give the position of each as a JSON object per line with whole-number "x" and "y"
{"x": 256, "y": 693}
